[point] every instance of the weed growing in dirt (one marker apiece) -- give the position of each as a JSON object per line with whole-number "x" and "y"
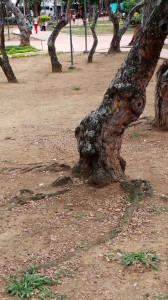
{"x": 76, "y": 88}
{"x": 157, "y": 209}
{"x": 146, "y": 257}
{"x": 33, "y": 285}
{"x": 134, "y": 135}
{"x": 162, "y": 296}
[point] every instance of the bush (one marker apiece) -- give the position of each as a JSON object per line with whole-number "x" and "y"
{"x": 136, "y": 20}
{"x": 43, "y": 18}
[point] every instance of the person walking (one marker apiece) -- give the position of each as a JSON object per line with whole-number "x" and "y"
{"x": 35, "y": 23}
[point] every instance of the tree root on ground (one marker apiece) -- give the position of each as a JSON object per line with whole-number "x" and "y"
{"x": 54, "y": 167}
{"x": 27, "y": 195}
{"x": 140, "y": 189}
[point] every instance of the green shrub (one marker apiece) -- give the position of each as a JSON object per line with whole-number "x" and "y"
{"x": 43, "y": 18}
{"x": 136, "y": 20}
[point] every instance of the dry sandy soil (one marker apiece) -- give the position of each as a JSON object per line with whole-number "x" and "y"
{"x": 75, "y": 230}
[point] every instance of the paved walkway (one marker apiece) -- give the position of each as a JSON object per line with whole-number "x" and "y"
{"x": 63, "y": 42}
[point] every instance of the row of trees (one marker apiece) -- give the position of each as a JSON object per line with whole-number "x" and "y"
{"x": 100, "y": 133}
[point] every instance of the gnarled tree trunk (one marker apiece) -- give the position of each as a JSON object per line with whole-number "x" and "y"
{"x": 4, "y": 62}
{"x": 25, "y": 30}
{"x": 118, "y": 33}
{"x": 56, "y": 65}
{"x": 161, "y": 97}
{"x": 95, "y": 39}
{"x": 100, "y": 133}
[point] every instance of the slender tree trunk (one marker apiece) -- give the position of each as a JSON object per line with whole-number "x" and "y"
{"x": 95, "y": 39}
{"x": 161, "y": 97}
{"x": 4, "y": 62}
{"x": 25, "y": 30}
{"x": 35, "y": 8}
{"x": 100, "y": 133}
{"x": 55, "y": 64}
{"x": 118, "y": 33}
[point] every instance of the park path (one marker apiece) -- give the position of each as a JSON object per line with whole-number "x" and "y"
{"x": 79, "y": 43}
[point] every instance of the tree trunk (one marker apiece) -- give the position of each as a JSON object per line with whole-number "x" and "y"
{"x": 25, "y": 30}
{"x": 118, "y": 33}
{"x": 35, "y": 8}
{"x": 100, "y": 133}
{"x": 55, "y": 64}
{"x": 95, "y": 39}
{"x": 161, "y": 97}
{"x": 4, "y": 62}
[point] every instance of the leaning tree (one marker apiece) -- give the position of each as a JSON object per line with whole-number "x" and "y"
{"x": 55, "y": 64}
{"x": 4, "y": 61}
{"x": 161, "y": 97}
{"x": 25, "y": 30}
{"x": 100, "y": 133}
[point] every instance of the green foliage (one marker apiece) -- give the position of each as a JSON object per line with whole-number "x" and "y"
{"x": 19, "y": 49}
{"x": 162, "y": 296}
{"x": 29, "y": 285}
{"x": 146, "y": 257}
{"x": 135, "y": 20}
{"x": 128, "y": 5}
{"x": 157, "y": 209}
{"x": 43, "y": 18}
{"x": 134, "y": 135}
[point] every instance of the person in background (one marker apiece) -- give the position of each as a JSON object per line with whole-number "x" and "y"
{"x": 35, "y": 23}
{"x": 73, "y": 17}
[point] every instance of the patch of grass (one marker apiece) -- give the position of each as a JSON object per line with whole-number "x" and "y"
{"x": 146, "y": 257}
{"x": 134, "y": 135}
{"x": 89, "y": 214}
{"x": 162, "y": 296}
{"x": 157, "y": 209}
{"x": 33, "y": 285}
{"x": 20, "y": 49}
{"x": 148, "y": 118}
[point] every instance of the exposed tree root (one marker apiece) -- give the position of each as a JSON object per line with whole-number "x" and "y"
{"x": 27, "y": 195}
{"x": 137, "y": 189}
{"x": 54, "y": 167}
{"x": 143, "y": 120}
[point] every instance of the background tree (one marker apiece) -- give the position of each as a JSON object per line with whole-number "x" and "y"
{"x": 117, "y": 31}
{"x": 100, "y": 133}
{"x": 95, "y": 39}
{"x": 4, "y": 61}
{"x": 22, "y": 22}
{"x": 55, "y": 64}
{"x": 161, "y": 97}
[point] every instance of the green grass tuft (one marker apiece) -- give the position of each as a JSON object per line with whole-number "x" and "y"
{"x": 33, "y": 285}
{"x": 146, "y": 257}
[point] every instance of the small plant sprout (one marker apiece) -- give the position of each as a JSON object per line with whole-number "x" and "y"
{"x": 134, "y": 135}
{"x": 145, "y": 257}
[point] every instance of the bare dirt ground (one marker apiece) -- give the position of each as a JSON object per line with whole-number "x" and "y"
{"x": 76, "y": 230}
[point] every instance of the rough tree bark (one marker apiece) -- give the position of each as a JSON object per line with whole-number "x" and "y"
{"x": 55, "y": 64}
{"x": 100, "y": 133}
{"x": 118, "y": 33}
{"x": 161, "y": 97}
{"x": 4, "y": 61}
{"x": 25, "y": 30}
{"x": 95, "y": 39}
